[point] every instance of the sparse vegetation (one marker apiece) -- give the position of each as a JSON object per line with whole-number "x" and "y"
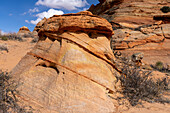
{"x": 4, "y": 38}
{"x": 8, "y": 99}
{"x": 11, "y": 36}
{"x": 159, "y": 65}
{"x": 14, "y": 36}
{"x": 34, "y": 40}
{"x": 3, "y": 47}
{"x": 137, "y": 84}
{"x": 29, "y": 35}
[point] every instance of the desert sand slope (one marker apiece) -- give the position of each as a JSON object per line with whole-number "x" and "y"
{"x": 16, "y": 50}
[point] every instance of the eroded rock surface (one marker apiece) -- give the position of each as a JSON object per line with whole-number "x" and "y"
{"x": 139, "y": 26}
{"x": 39, "y": 24}
{"x": 70, "y": 69}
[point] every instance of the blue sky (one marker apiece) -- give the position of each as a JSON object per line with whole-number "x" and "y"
{"x": 17, "y": 13}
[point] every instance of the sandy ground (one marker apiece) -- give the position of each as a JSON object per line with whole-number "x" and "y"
{"x": 149, "y": 108}
{"x": 16, "y": 50}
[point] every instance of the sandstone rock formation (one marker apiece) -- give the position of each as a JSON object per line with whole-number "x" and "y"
{"x": 23, "y": 30}
{"x": 139, "y": 26}
{"x": 39, "y": 24}
{"x": 71, "y": 69}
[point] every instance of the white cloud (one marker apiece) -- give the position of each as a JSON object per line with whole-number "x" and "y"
{"x": 47, "y": 14}
{"x": 50, "y": 13}
{"x": 24, "y": 13}
{"x": 33, "y": 10}
{"x": 27, "y": 21}
{"x": 10, "y": 14}
{"x": 85, "y": 9}
{"x": 66, "y": 4}
{"x": 3, "y": 33}
{"x": 35, "y": 21}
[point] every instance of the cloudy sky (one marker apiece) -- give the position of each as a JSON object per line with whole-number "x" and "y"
{"x": 17, "y": 13}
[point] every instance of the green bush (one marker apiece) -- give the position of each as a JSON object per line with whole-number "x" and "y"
{"x": 159, "y": 65}
{"x": 4, "y": 38}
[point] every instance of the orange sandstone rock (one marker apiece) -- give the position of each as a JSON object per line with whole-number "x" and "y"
{"x": 70, "y": 70}
{"x": 146, "y": 25}
{"x": 39, "y": 24}
{"x": 23, "y": 30}
{"x": 79, "y": 22}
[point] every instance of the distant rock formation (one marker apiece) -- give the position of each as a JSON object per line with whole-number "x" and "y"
{"x": 139, "y": 26}
{"x": 24, "y": 30}
{"x": 71, "y": 69}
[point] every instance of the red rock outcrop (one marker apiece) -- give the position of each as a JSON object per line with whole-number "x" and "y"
{"x": 70, "y": 68}
{"x": 139, "y": 26}
{"x": 23, "y": 30}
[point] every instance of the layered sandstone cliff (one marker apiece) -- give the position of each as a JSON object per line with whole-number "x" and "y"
{"x": 139, "y": 26}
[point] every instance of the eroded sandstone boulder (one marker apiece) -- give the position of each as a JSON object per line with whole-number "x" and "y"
{"x": 84, "y": 21}
{"x": 23, "y": 30}
{"x": 24, "y": 33}
{"x": 71, "y": 69}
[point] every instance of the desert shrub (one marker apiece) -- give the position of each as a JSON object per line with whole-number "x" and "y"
{"x": 3, "y": 48}
{"x": 28, "y": 35}
{"x": 34, "y": 40}
{"x": 14, "y": 36}
{"x": 137, "y": 84}
{"x": 4, "y": 38}
{"x": 159, "y": 65}
{"x": 8, "y": 99}
{"x": 19, "y": 37}
{"x": 11, "y": 36}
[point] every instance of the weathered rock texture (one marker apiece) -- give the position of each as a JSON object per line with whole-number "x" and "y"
{"x": 39, "y": 24}
{"x": 70, "y": 69}
{"x": 139, "y": 26}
